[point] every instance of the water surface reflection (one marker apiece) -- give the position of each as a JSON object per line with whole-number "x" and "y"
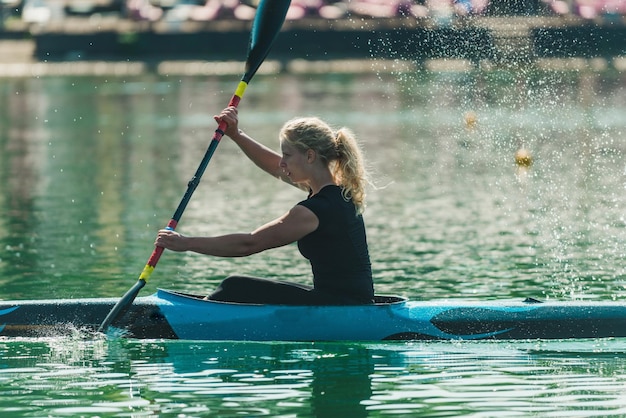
{"x": 129, "y": 378}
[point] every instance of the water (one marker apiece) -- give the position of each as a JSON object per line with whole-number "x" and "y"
{"x": 181, "y": 379}
{"x": 90, "y": 168}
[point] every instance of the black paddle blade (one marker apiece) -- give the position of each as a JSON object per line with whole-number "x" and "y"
{"x": 269, "y": 18}
{"x": 122, "y": 305}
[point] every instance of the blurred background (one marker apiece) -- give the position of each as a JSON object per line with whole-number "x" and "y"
{"x": 43, "y": 11}
{"x": 103, "y": 102}
{"x": 478, "y": 30}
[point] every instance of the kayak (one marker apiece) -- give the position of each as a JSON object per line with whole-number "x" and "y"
{"x": 173, "y": 315}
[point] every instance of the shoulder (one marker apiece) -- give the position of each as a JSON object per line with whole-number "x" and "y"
{"x": 323, "y": 198}
{"x": 329, "y": 193}
{"x": 300, "y": 215}
{"x": 329, "y": 203}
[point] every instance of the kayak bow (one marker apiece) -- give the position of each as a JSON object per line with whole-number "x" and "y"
{"x": 173, "y": 315}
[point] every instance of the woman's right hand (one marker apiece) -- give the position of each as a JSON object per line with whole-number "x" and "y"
{"x": 229, "y": 116}
{"x": 171, "y": 240}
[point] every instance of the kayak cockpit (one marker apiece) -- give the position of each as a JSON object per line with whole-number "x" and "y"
{"x": 168, "y": 294}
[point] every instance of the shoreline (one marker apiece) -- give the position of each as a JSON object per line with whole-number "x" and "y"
{"x": 109, "y": 46}
{"x": 217, "y": 68}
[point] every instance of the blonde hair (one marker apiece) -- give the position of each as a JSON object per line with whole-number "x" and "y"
{"x": 338, "y": 149}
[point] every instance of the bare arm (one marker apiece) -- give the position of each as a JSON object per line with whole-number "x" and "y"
{"x": 265, "y": 158}
{"x": 290, "y": 227}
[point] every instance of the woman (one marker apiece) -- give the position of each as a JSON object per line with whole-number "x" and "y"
{"x": 328, "y": 225}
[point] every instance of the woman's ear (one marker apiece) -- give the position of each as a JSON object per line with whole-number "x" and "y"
{"x": 311, "y": 155}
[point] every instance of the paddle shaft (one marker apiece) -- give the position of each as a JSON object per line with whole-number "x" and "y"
{"x": 267, "y": 23}
{"x": 192, "y": 185}
{"x": 132, "y": 293}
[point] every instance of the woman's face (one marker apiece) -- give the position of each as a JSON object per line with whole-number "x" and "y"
{"x": 294, "y": 163}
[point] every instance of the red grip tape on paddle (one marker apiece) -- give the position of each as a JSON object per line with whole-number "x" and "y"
{"x": 156, "y": 254}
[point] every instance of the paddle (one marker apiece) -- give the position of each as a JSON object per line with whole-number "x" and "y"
{"x": 269, "y": 19}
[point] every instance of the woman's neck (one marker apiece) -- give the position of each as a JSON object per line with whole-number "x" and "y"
{"x": 319, "y": 184}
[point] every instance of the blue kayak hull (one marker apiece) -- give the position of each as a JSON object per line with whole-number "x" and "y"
{"x": 395, "y": 319}
{"x": 168, "y": 314}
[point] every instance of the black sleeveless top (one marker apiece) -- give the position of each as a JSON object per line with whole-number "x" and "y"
{"x": 337, "y": 249}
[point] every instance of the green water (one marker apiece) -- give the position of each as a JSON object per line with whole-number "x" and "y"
{"x": 60, "y": 378}
{"x": 91, "y": 168}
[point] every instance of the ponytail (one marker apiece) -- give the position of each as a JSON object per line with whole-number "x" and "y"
{"x": 349, "y": 169}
